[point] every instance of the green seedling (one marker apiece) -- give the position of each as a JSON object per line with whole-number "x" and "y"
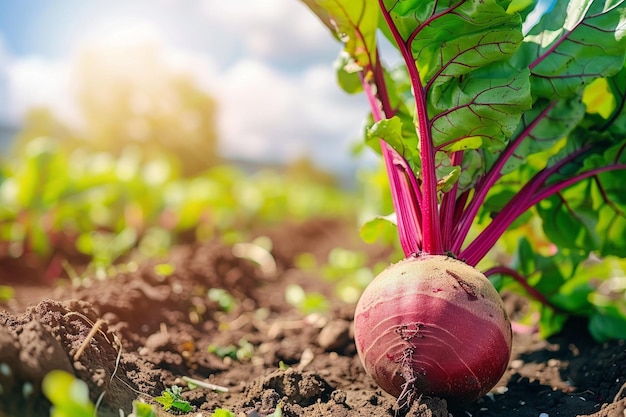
{"x": 171, "y": 399}
{"x": 243, "y": 351}
{"x": 223, "y": 298}
{"x": 222, "y": 412}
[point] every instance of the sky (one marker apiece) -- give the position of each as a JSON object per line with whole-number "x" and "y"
{"x": 268, "y": 63}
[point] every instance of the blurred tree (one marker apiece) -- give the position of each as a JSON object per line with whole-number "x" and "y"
{"x": 304, "y": 168}
{"x": 40, "y": 121}
{"x": 129, "y": 95}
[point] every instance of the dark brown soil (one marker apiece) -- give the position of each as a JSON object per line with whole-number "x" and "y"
{"x": 153, "y": 330}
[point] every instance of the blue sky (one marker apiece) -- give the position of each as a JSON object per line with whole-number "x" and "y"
{"x": 54, "y": 29}
{"x": 268, "y": 63}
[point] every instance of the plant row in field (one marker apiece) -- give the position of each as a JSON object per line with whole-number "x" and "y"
{"x": 105, "y": 206}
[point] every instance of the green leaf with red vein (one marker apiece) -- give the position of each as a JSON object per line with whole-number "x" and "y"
{"x": 616, "y": 123}
{"x": 550, "y": 122}
{"x": 451, "y": 38}
{"x": 399, "y": 133}
{"x": 486, "y": 104}
{"x": 576, "y": 43}
{"x": 475, "y": 99}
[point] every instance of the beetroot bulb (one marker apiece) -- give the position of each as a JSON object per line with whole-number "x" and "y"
{"x": 433, "y": 325}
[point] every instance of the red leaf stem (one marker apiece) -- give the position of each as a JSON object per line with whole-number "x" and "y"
{"x": 404, "y": 187}
{"x": 448, "y": 205}
{"x": 554, "y": 188}
{"x": 512, "y": 210}
{"x": 532, "y": 291}
{"x": 431, "y": 242}
{"x": 532, "y": 193}
{"x": 486, "y": 183}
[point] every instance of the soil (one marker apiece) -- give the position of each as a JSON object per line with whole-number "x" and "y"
{"x": 150, "y": 330}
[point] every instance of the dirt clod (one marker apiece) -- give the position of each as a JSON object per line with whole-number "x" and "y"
{"x": 335, "y": 335}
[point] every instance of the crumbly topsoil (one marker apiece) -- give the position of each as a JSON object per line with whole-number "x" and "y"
{"x": 151, "y": 330}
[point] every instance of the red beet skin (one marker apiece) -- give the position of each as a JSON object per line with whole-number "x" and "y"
{"x": 436, "y": 325}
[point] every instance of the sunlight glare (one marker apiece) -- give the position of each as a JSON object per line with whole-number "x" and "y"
{"x": 119, "y": 32}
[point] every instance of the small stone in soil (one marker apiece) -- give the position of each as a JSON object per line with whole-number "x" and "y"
{"x": 335, "y": 335}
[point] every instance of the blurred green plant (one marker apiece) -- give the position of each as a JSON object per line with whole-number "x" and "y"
{"x": 349, "y": 270}
{"x": 561, "y": 283}
{"x": 307, "y": 302}
{"x": 141, "y": 409}
{"x": 106, "y": 208}
{"x": 164, "y": 270}
{"x": 241, "y": 352}
{"x": 6, "y": 293}
{"x": 105, "y": 248}
{"x": 69, "y": 396}
{"x": 223, "y": 298}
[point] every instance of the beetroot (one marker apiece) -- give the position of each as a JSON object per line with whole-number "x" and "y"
{"x": 433, "y": 325}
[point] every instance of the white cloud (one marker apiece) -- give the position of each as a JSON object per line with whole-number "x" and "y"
{"x": 4, "y": 53}
{"x": 36, "y": 82}
{"x": 270, "y": 114}
{"x": 4, "y": 63}
{"x": 282, "y": 100}
{"x": 278, "y": 100}
{"x": 119, "y": 32}
{"x": 281, "y": 30}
